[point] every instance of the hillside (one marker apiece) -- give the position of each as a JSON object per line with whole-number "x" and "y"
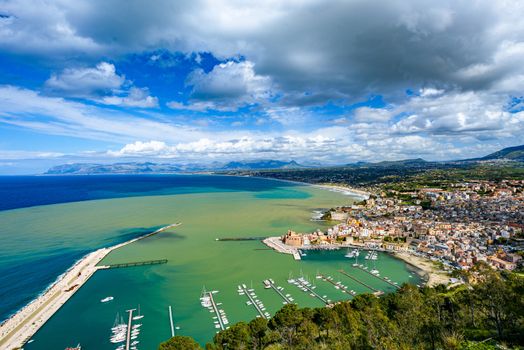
{"x": 513, "y": 153}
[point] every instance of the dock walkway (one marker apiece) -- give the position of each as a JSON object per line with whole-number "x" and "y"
{"x": 287, "y": 300}
{"x": 306, "y": 286}
{"x": 257, "y": 304}
{"x": 380, "y": 278}
{"x": 135, "y": 263}
{"x": 338, "y": 286}
{"x": 376, "y": 291}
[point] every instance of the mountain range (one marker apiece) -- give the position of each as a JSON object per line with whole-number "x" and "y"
{"x": 515, "y": 154}
{"x": 166, "y": 168}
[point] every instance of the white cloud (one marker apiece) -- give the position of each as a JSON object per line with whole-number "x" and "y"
{"x": 86, "y": 82}
{"x": 228, "y": 86}
{"x": 136, "y": 98}
{"x": 52, "y": 115}
{"x": 100, "y": 84}
{"x": 456, "y": 112}
{"x": 367, "y": 114}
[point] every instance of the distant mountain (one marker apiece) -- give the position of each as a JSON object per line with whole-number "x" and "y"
{"x": 512, "y": 153}
{"x": 117, "y": 168}
{"x": 165, "y": 168}
{"x": 403, "y": 162}
{"x": 261, "y": 164}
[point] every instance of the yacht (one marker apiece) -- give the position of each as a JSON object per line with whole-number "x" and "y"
{"x": 139, "y": 316}
{"x": 205, "y": 299}
{"x": 105, "y": 300}
{"x": 78, "y": 347}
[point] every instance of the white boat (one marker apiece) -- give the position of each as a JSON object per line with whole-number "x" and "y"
{"x": 205, "y": 299}
{"x": 139, "y": 316}
{"x": 106, "y": 299}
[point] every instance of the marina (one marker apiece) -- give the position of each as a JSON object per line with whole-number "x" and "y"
{"x": 377, "y": 275}
{"x": 376, "y": 291}
{"x": 288, "y": 299}
{"x": 338, "y": 285}
{"x": 253, "y": 301}
{"x": 194, "y": 259}
{"x": 309, "y": 288}
{"x": 207, "y": 300}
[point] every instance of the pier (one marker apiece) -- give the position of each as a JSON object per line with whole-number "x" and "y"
{"x": 287, "y": 300}
{"x": 376, "y": 291}
{"x": 135, "y": 263}
{"x": 276, "y": 244}
{"x": 171, "y": 322}
{"x": 337, "y": 285}
{"x": 306, "y": 287}
{"x": 253, "y": 300}
{"x": 216, "y": 311}
{"x": 380, "y": 278}
{"x": 19, "y": 328}
{"x": 129, "y": 324}
{"x": 228, "y": 239}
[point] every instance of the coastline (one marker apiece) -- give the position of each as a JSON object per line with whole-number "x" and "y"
{"x": 424, "y": 267}
{"x": 21, "y": 326}
{"x": 344, "y": 189}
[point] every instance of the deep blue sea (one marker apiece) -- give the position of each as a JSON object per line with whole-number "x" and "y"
{"x": 28, "y": 191}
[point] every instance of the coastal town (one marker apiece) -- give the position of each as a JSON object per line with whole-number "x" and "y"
{"x": 456, "y": 227}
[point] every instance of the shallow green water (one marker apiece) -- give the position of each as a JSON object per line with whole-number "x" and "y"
{"x": 196, "y": 259}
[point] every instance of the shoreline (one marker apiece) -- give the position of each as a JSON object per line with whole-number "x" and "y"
{"x": 423, "y": 267}
{"x": 22, "y": 325}
{"x": 344, "y": 189}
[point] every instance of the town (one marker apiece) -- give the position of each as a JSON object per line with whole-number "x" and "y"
{"x": 458, "y": 226}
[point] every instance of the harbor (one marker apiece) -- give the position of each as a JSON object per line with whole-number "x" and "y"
{"x": 196, "y": 259}
{"x": 18, "y": 329}
{"x": 208, "y": 301}
{"x": 253, "y": 301}
{"x": 288, "y": 299}
{"x": 377, "y": 275}
{"x": 309, "y": 288}
{"x": 375, "y": 291}
{"x": 338, "y": 285}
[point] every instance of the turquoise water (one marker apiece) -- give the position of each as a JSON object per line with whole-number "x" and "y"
{"x": 195, "y": 258}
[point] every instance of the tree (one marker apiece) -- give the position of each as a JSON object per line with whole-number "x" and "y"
{"x": 236, "y": 337}
{"x": 258, "y": 329}
{"x": 180, "y": 342}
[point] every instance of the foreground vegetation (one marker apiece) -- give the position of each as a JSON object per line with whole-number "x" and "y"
{"x": 488, "y": 314}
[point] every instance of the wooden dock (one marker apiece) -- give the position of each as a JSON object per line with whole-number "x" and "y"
{"x": 233, "y": 239}
{"x": 287, "y": 300}
{"x": 257, "y": 304}
{"x": 377, "y": 292}
{"x": 336, "y": 285}
{"x": 136, "y": 263}
{"x": 302, "y": 284}
{"x": 380, "y": 278}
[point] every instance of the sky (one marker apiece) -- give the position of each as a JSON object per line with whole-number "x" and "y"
{"x": 317, "y": 81}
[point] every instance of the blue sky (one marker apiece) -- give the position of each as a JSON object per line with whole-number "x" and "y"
{"x": 318, "y": 82}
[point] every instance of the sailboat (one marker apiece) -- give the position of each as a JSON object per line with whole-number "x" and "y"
{"x": 205, "y": 299}
{"x": 139, "y": 316}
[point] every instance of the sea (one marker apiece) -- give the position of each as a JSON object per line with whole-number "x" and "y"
{"x": 49, "y": 222}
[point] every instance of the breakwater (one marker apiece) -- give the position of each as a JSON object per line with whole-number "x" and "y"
{"x": 19, "y": 328}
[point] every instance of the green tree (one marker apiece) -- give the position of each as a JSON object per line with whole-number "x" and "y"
{"x": 180, "y": 342}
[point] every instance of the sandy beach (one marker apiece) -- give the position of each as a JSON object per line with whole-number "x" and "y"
{"x": 425, "y": 268}
{"x": 20, "y": 327}
{"x": 350, "y": 191}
